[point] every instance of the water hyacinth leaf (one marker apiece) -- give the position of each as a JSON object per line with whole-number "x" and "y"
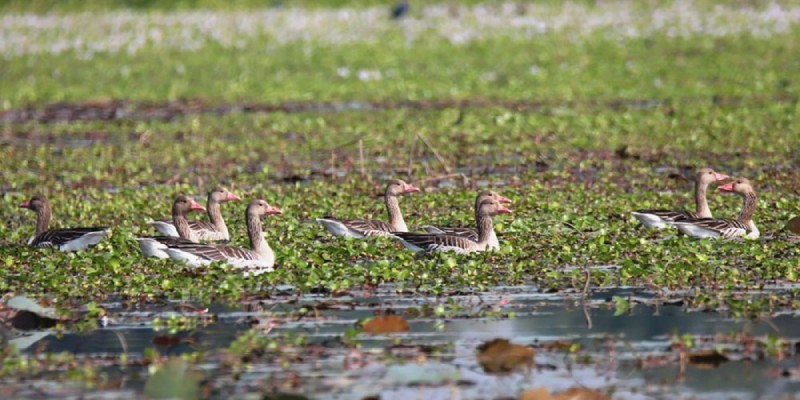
{"x": 174, "y": 380}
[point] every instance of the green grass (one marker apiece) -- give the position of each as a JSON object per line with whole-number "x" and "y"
{"x": 682, "y": 71}
{"x": 728, "y": 102}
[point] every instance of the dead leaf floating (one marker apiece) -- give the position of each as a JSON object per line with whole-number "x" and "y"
{"x": 386, "y": 324}
{"x": 502, "y": 356}
{"x": 569, "y": 394}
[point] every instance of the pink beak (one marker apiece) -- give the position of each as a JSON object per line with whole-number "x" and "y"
{"x": 232, "y": 197}
{"x": 721, "y": 177}
{"x": 728, "y": 187}
{"x": 410, "y": 189}
{"x": 273, "y": 210}
{"x": 504, "y": 199}
{"x": 503, "y": 210}
{"x": 25, "y": 204}
{"x": 195, "y": 206}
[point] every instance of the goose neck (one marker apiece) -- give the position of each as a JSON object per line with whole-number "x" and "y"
{"x": 43, "y": 216}
{"x": 395, "y": 215}
{"x": 700, "y": 200}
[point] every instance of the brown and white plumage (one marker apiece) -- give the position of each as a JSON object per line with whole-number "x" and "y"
{"x": 471, "y": 233}
{"x": 213, "y": 230}
{"x": 156, "y": 246}
{"x": 427, "y": 242}
{"x": 742, "y": 226}
{"x": 66, "y": 239}
{"x": 360, "y": 228}
{"x": 659, "y": 219}
{"x": 257, "y": 259}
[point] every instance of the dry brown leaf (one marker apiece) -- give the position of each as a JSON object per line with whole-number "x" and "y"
{"x": 500, "y": 355}
{"x": 580, "y": 394}
{"x": 536, "y": 394}
{"x": 386, "y": 324}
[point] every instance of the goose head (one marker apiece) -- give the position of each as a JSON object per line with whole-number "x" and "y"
{"x": 397, "y": 187}
{"x": 707, "y": 176}
{"x": 259, "y": 208}
{"x": 221, "y": 194}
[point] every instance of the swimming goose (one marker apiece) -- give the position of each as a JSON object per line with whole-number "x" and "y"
{"x": 213, "y": 230}
{"x": 727, "y": 228}
{"x": 258, "y": 259}
{"x": 659, "y": 219}
{"x": 66, "y": 239}
{"x": 431, "y": 242}
{"x": 155, "y": 246}
{"x": 472, "y": 233}
{"x": 360, "y": 228}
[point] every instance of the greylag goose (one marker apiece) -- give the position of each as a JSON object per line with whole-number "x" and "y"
{"x": 727, "y": 228}
{"x": 258, "y": 259}
{"x": 659, "y": 219}
{"x": 360, "y": 228}
{"x": 431, "y": 242}
{"x": 66, "y": 239}
{"x": 213, "y": 230}
{"x": 472, "y": 233}
{"x": 155, "y": 246}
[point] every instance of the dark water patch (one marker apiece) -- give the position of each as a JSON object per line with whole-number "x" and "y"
{"x": 122, "y": 110}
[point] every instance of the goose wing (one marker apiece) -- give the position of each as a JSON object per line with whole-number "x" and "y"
{"x": 216, "y": 252}
{"x": 469, "y": 233}
{"x": 368, "y": 227}
{"x": 57, "y": 237}
{"x": 670, "y": 215}
{"x": 727, "y": 228}
{"x": 431, "y": 242}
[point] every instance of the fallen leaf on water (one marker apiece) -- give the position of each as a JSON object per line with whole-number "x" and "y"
{"x": 386, "y": 324}
{"x": 500, "y": 355}
{"x": 707, "y": 359}
{"x": 536, "y": 394}
{"x": 580, "y": 394}
{"x": 166, "y": 340}
{"x": 569, "y": 394}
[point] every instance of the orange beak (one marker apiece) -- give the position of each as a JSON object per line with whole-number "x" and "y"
{"x": 728, "y": 187}
{"x": 25, "y": 204}
{"x": 720, "y": 177}
{"x": 195, "y": 206}
{"x": 410, "y": 189}
{"x": 271, "y": 210}
{"x": 503, "y": 210}
{"x": 232, "y": 197}
{"x": 505, "y": 200}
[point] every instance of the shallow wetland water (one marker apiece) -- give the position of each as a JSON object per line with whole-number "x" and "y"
{"x": 653, "y": 348}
